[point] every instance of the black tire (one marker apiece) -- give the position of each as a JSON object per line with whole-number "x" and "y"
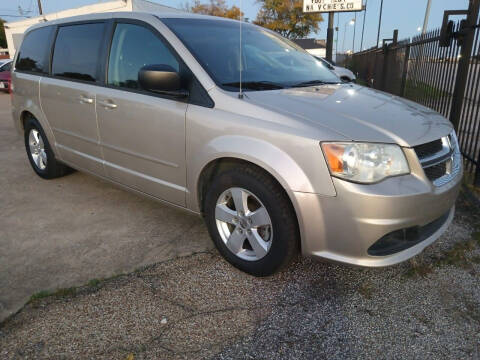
{"x": 53, "y": 168}
{"x": 285, "y": 240}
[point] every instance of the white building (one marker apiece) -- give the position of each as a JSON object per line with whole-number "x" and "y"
{"x": 14, "y": 30}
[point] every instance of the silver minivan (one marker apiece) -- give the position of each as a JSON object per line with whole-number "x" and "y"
{"x": 260, "y": 138}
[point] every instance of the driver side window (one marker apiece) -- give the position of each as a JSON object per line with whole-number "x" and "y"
{"x": 133, "y": 47}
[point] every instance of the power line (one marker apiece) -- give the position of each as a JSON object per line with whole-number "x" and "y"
{"x": 11, "y": 10}
{"x": 16, "y": 16}
{"x": 19, "y": 9}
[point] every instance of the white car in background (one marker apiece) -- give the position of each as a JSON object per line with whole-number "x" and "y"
{"x": 343, "y": 73}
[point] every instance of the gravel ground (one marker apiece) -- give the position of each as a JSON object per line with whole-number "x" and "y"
{"x": 199, "y": 307}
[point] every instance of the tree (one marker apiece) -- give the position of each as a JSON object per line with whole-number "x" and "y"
{"x": 3, "y": 38}
{"x": 287, "y": 18}
{"x": 215, "y": 8}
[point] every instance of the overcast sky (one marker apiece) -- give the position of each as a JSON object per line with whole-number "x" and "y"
{"x": 404, "y": 15}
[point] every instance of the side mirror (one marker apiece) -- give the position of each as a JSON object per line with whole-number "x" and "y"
{"x": 162, "y": 79}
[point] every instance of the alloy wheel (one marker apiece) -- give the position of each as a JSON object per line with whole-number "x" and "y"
{"x": 244, "y": 224}
{"x": 37, "y": 149}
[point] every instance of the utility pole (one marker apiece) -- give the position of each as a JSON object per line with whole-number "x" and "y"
{"x": 330, "y": 36}
{"x": 379, "y": 23}
{"x": 336, "y": 42}
{"x": 427, "y": 15}
{"x": 40, "y": 11}
{"x": 363, "y": 28}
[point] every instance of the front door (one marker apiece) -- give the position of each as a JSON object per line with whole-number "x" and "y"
{"x": 142, "y": 134}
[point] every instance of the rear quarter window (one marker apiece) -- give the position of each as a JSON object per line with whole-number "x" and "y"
{"x": 77, "y": 51}
{"x": 35, "y": 50}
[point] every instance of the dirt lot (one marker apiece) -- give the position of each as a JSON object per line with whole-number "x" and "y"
{"x": 196, "y": 306}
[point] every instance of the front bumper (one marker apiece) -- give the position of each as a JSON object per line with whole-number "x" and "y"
{"x": 343, "y": 228}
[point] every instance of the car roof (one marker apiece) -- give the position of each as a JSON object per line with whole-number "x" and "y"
{"x": 130, "y": 14}
{"x": 4, "y": 61}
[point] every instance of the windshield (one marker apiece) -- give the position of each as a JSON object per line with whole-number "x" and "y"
{"x": 268, "y": 60}
{"x": 5, "y": 66}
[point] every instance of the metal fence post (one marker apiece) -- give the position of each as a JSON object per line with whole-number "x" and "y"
{"x": 476, "y": 179}
{"x": 464, "y": 62}
{"x": 386, "y": 59}
{"x": 383, "y": 83}
{"x": 405, "y": 71}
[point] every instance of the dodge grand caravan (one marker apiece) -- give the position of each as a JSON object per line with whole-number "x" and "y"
{"x": 293, "y": 160}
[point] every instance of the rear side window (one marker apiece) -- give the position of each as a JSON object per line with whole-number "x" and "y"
{"x": 133, "y": 47}
{"x": 35, "y": 50}
{"x": 77, "y": 51}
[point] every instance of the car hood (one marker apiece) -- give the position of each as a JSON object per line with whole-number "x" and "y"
{"x": 358, "y": 113}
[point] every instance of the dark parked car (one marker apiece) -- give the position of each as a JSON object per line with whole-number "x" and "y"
{"x": 5, "y": 77}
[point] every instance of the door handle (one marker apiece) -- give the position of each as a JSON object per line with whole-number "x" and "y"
{"x": 108, "y": 104}
{"x": 85, "y": 100}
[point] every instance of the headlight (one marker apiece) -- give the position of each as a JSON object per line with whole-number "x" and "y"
{"x": 365, "y": 162}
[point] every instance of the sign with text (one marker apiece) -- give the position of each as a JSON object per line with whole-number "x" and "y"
{"x": 331, "y": 5}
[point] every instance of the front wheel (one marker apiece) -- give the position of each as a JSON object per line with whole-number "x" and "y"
{"x": 251, "y": 220}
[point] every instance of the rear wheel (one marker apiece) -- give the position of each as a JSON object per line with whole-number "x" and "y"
{"x": 251, "y": 220}
{"x": 39, "y": 152}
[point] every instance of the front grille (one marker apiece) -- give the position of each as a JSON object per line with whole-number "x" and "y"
{"x": 436, "y": 171}
{"x": 428, "y": 149}
{"x": 440, "y": 159}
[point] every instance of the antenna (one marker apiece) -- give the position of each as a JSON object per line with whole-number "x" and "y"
{"x": 240, "y": 93}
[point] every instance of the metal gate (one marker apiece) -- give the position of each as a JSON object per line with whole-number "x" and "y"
{"x": 439, "y": 69}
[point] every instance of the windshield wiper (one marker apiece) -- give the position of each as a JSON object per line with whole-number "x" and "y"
{"x": 314, "y": 82}
{"x": 256, "y": 85}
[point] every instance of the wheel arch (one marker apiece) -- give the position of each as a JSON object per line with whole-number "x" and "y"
{"x": 221, "y": 164}
{"x": 24, "y": 115}
{"x": 37, "y": 114}
{"x": 265, "y": 155}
